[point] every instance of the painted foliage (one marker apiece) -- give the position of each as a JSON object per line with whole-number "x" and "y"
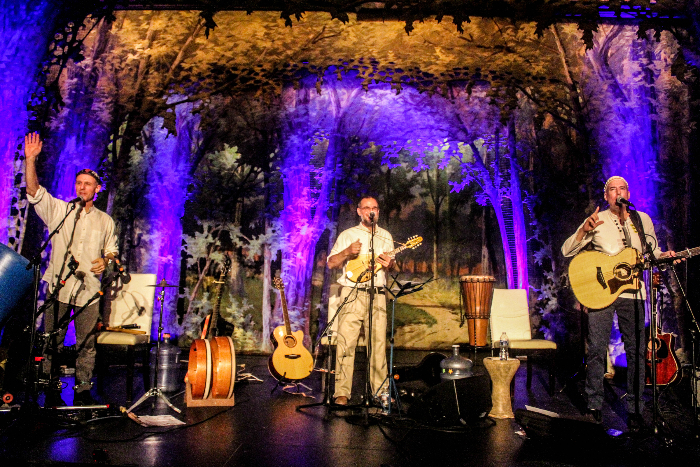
{"x": 254, "y": 140}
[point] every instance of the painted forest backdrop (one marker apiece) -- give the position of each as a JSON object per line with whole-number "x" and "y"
{"x": 254, "y": 140}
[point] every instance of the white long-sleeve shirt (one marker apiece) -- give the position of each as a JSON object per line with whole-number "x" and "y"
{"x": 95, "y": 236}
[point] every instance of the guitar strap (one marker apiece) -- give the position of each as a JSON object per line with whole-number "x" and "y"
{"x": 637, "y": 222}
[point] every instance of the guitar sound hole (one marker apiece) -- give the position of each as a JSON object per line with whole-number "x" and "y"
{"x": 623, "y": 271}
{"x": 290, "y": 341}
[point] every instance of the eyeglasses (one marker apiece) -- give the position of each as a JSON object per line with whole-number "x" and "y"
{"x": 367, "y": 208}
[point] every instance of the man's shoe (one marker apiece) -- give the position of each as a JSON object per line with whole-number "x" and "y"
{"x": 341, "y": 400}
{"x": 594, "y": 415}
{"x": 83, "y": 398}
{"x": 53, "y": 399}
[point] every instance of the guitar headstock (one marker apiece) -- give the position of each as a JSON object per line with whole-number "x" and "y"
{"x": 227, "y": 267}
{"x": 414, "y": 242}
{"x": 278, "y": 283}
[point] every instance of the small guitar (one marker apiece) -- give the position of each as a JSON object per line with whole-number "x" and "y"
{"x": 598, "y": 279}
{"x": 290, "y": 360}
{"x": 667, "y": 364}
{"x": 358, "y": 269}
{"x": 214, "y": 325}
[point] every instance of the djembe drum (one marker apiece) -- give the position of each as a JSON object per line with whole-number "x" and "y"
{"x": 477, "y": 292}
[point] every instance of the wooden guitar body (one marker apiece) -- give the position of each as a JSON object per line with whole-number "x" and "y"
{"x": 598, "y": 279}
{"x": 667, "y": 364}
{"x": 290, "y": 360}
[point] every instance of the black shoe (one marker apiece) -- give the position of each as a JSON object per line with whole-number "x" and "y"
{"x": 53, "y": 399}
{"x": 635, "y": 422}
{"x": 594, "y": 415}
{"x": 83, "y": 398}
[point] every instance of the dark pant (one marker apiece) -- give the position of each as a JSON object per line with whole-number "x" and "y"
{"x": 630, "y": 317}
{"x": 85, "y": 332}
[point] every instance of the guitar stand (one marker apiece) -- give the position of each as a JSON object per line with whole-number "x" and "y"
{"x": 288, "y": 383}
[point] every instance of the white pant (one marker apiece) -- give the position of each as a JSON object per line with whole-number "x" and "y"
{"x": 351, "y": 318}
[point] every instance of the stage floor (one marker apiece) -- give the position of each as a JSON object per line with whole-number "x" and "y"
{"x": 265, "y": 429}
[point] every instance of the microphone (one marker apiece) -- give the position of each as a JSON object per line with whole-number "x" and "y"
{"x": 371, "y": 216}
{"x": 620, "y": 201}
{"x": 77, "y": 200}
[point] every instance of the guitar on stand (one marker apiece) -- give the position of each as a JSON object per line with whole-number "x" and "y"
{"x": 667, "y": 364}
{"x": 290, "y": 360}
{"x": 214, "y": 324}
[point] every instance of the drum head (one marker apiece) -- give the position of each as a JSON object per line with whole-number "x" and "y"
{"x": 477, "y": 279}
{"x": 15, "y": 281}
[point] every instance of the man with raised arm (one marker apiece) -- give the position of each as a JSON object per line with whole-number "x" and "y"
{"x": 610, "y": 232}
{"x": 89, "y": 237}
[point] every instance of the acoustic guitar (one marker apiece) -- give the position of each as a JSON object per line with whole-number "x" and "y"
{"x": 667, "y": 364}
{"x": 358, "y": 269}
{"x": 211, "y": 370}
{"x": 290, "y": 360}
{"x": 598, "y": 279}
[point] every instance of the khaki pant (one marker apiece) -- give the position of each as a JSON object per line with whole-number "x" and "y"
{"x": 352, "y": 317}
{"x": 85, "y": 333}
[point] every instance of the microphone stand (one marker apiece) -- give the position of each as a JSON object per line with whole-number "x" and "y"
{"x": 368, "y": 396}
{"x": 35, "y": 263}
{"x": 650, "y": 262}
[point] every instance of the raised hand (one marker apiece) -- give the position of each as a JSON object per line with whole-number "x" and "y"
{"x": 32, "y": 145}
{"x": 592, "y": 222}
{"x": 354, "y": 248}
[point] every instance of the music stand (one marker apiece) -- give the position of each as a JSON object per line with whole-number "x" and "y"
{"x": 406, "y": 288}
{"x": 155, "y": 391}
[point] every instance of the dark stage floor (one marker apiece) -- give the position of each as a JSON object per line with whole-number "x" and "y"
{"x": 265, "y": 429}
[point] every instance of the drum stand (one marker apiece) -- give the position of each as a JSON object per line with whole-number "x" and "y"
{"x": 155, "y": 391}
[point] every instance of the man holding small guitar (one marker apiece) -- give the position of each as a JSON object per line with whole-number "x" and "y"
{"x": 351, "y": 243}
{"x": 610, "y": 232}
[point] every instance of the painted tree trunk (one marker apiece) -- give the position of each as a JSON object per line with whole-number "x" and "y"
{"x": 168, "y": 158}
{"x": 81, "y": 142}
{"x": 27, "y": 29}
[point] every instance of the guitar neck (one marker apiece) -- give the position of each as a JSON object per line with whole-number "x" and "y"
{"x": 215, "y": 312}
{"x": 688, "y": 252}
{"x": 285, "y": 314}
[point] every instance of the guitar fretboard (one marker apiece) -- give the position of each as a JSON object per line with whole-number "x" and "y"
{"x": 688, "y": 252}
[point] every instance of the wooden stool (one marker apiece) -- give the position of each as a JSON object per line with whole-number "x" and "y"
{"x": 501, "y": 372}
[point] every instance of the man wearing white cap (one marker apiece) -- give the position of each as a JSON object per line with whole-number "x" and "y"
{"x": 610, "y": 232}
